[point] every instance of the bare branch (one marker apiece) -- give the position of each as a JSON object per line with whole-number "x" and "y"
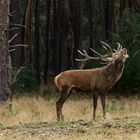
{"x": 15, "y": 28}
{"x": 19, "y": 25}
{"x": 13, "y": 37}
{"x": 137, "y": 51}
{"x": 18, "y": 45}
{"x": 12, "y": 50}
{"x": 17, "y": 73}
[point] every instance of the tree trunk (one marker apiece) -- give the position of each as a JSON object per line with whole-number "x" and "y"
{"x": 92, "y": 24}
{"x": 90, "y": 16}
{"x": 47, "y": 52}
{"x": 134, "y": 5}
{"x": 103, "y": 19}
{"x": 60, "y": 35}
{"x": 14, "y": 19}
{"x": 37, "y": 43}
{"x": 5, "y": 63}
{"x": 27, "y": 32}
{"x": 113, "y": 15}
{"x": 63, "y": 33}
{"x": 109, "y": 18}
{"x": 122, "y": 7}
{"x": 55, "y": 38}
{"x": 107, "y": 26}
{"x": 75, "y": 7}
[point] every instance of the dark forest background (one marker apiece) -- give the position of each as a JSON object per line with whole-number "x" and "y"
{"x": 53, "y": 30}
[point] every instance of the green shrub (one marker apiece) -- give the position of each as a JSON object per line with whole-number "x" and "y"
{"x": 25, "y": 80}
{"x": 130, "y": 39}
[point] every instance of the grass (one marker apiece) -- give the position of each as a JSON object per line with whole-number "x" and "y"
{"x": 34, "y": 117}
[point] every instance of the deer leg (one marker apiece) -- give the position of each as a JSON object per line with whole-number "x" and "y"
{"x": 59, "y": 108}
{"x": 95, "y": 99}
{"x": 103, "y": 105}
{"x": 65, "y": 93}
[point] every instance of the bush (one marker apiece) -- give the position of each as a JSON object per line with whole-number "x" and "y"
{"x": 25, "y": 80}
{"x": 130, "y": 39}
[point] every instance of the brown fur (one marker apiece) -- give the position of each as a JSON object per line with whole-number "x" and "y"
{"x": 96, "y": 80}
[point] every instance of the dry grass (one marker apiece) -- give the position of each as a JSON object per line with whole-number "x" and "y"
{"x": 92, "y": 136}
{"x": 36, "y": 109}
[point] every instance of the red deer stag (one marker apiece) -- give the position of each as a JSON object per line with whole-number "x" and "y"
{"x": 96, "y": 80}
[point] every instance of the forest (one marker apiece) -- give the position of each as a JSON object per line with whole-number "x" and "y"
{"x": 47, "y": 34}
{"x": 40, "y": 39}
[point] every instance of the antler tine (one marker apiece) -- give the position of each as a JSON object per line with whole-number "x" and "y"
{"x": 104, "y": 63}
{"x": 114, "y": 50}
{"x": 87, "y": 57}
{"x": 96, "y": 52}
{"x": 85, "y": 52}
{"x": 106, "y": 46}
{"x": 119, "y": 47}
{"x": 80, "y": 52}
{"x": 102, "y": 57}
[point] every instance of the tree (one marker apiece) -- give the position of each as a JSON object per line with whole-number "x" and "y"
{"x": 63, "y": 33}
{"x": 109, "y": 18}
{"x": 37, "y": 43}
{"x": 46, "y": 67}
{"x": 92, "y": 31}
{"x": 122, "y": 7}
{"x": 27, "y": 31}
{"x": 14, "y": 20}
{"x": 90, "y": 16}
{"x": 60, "y": 35}
{"x": 75, "y": 11}
{"x": 55, "y": 38}
{"x": 5, "y": 63}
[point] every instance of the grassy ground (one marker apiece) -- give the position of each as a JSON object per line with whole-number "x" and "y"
{"x": 34, "y": 118}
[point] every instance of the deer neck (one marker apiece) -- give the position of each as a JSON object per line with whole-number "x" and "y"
{"x": 114, "y": 70}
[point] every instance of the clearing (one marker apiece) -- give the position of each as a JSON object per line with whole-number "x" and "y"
{"x": 34, "y": 118}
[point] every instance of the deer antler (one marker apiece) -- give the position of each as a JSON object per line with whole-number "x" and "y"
{"x": 119, "y": 47}
{"x": 107, "y": 47}
{"x": 104, "y": 58}
{"x": 96, "y": 52}
{"x": 87, "y": 57}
